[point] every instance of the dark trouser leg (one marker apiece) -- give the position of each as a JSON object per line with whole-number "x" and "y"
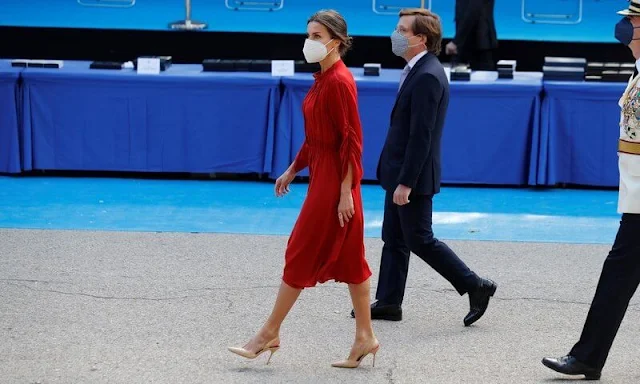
{"x": 394, "y": 265}
{"x": 618, "y": 282}
{"x": 482, "y": 61}
{"x": 415, "y": 219}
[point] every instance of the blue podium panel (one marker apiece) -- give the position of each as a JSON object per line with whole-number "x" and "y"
{"x": 579, "y": 134}
{"x": 290, "y": 124}
{"x": 9, "y": 122}
{"x": 556, "y": 12}
{"x": 182, "y": 120}
{"x": 491, "y": 133}
{"x": 488, "y": 135}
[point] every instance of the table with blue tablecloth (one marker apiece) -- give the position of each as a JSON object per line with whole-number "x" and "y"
{"x": 181, "y": 120}
{"x": 490, "y": 135}
{"x": 579, "y": 133}
{"x": 497, "y": 132}
{"x": 9, "y": 121}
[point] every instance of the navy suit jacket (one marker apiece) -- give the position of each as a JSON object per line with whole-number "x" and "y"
{"x": 411, "y": 152}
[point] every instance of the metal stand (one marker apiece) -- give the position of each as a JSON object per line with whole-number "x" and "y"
{"x": 187, "y": 24}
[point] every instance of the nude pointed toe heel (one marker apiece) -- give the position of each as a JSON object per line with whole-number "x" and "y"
{"x": 356, "y": 363}
{"x": 271, "y": 347}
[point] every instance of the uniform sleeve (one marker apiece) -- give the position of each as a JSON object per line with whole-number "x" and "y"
{"x": 343, "y": 102}
{"x": 302, "y": 158}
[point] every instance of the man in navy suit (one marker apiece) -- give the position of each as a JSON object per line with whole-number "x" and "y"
{"x": 409, "y": 171}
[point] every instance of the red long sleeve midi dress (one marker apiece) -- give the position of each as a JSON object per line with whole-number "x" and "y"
{"x": 319, "y": 249}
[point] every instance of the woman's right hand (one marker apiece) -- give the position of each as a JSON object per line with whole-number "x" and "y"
{"x": 282, "y": 183}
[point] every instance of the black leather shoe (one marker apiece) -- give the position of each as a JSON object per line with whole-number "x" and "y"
{"x": 391, "y": 312}
{"x": 570, "y": 366}
{"x": 479, "y": 301}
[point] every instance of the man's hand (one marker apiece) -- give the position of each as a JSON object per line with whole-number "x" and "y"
{"x": 401, "y": 195}
{"x": 451, "y": 48}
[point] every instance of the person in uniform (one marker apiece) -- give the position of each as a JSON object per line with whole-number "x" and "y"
{"x": 620, "y": 274}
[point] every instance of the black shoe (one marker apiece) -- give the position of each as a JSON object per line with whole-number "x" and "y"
{"x": 570, "y": 366}
{"x": 479, "y": 301}
{"x": 391, "y": 312}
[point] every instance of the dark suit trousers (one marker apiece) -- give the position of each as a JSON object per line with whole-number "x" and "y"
{"x": 619, "y": 280}
{"x": 407, "y": 229}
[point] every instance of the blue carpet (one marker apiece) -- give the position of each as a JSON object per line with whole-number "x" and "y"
{"x": 554, "y": 215}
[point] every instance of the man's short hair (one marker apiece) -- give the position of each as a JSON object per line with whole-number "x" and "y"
{"x": 428, "y": 24}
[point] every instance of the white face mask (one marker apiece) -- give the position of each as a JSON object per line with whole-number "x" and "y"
{"x": 315, "y": 51}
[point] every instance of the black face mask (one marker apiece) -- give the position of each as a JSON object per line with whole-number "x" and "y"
{"x": 624, "y": 31}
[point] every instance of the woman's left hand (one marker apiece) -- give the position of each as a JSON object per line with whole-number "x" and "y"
{"x": 345, "y": 208}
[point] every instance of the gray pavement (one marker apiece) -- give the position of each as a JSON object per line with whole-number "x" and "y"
{"x": 112, "y": 307}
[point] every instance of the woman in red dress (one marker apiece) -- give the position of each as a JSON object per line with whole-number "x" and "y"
{"x": 327, "y": 241}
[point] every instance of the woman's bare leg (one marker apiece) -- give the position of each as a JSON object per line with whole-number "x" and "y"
{"x": 365, "y": 338}
{"x": 287, "y": 297}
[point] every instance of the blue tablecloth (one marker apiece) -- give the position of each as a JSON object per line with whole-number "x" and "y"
{"x": 9, "y": 122}
{"x": 579, "y": 133}
{"x": 490, "y": 135}
{"x": 182, "y": 120}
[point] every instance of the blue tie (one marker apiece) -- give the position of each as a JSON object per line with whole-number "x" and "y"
{"x": 405, "y": 72}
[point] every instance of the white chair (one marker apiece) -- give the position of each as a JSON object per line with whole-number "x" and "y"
{"x": 392, "y": 7}
{"x": 187, "y": 23}
{"x": 552, "y": 12}
{"x": 108, "y": 3}
{"x": 253, "y": 5}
